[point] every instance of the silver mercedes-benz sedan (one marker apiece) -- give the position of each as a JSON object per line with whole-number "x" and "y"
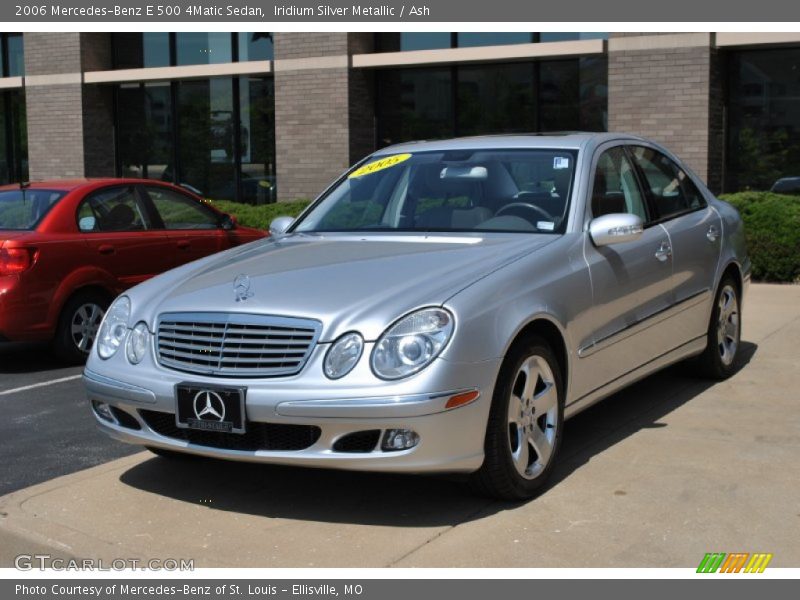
{"x": 441, "y": 307}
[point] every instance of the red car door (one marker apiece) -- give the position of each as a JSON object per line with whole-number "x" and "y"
{"x": 194, "y": 230}
{"x": 120, "y": 235}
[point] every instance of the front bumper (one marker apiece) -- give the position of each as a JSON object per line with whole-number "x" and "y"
{"x": 450, "y": 440}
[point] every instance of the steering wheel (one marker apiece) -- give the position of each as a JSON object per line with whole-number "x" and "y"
{"x": 545, "y": 216}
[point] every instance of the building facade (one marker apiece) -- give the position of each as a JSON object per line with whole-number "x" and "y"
{"x": 259, "y": 117}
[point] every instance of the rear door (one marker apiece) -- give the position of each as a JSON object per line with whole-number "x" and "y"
{"x": 120, "y": 235}
{"x": 193, "y": 229}
{"x": 696, "y": 233}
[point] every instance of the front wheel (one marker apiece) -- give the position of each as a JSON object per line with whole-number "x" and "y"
{"x": 724, "y": 334}
{"x": 523, "y": 434}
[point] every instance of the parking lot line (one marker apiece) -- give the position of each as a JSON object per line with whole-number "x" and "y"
{"x": 41, "y": 384}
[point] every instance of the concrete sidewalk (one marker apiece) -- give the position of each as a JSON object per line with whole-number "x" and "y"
{"x": 656, "y": 476}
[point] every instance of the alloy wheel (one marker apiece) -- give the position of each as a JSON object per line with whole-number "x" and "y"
{"x": 85, "y": 324}
{"x": 728, "y": 325}
{"x": 532, "y": 417}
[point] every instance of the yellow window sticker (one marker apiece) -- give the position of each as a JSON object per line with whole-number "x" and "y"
{"x": 379, "y": 165}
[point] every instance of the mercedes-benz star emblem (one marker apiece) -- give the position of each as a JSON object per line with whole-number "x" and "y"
{"x": 241, "y": 288}
{"x": 208, "y": 406}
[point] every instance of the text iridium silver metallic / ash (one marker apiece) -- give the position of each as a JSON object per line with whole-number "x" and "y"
{"x": 444, "y": 307}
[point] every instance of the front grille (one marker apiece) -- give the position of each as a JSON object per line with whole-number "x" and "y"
{"x": 125, "y": 419}
{"x": 359, "y": 441}
{"x": 235, "y": 345}
{"x": 259, "y": 436}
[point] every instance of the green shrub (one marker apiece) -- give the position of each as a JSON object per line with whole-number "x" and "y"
{"x": 772, "y": 230}
{"x": 259, "y": 216}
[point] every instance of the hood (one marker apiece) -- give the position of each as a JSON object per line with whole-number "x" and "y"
{"x": 345, "y": 281}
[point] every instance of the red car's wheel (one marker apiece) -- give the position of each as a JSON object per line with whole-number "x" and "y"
{"x": 78, "y": 326}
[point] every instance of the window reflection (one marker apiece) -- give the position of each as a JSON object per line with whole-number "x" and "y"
{"x": 193, "y": 48}
{"x": 466, "y": 40}
{"x": 763, "y": 118}
{"x": 428, "y": 103}
{"x": 255, "y": 46}
{"x": 140, "y": 50}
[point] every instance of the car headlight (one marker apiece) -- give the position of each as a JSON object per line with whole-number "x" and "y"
{"x": 114, "y": 328}
{"x": 343, "y": 355}
{"x": 412, "y": 343}
{"x": 138, "y": 341}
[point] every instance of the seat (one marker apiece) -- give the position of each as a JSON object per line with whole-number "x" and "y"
{"x": 120, "y": 218}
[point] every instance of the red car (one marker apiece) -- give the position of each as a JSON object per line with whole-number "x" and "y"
{"x": 67, "y": 248}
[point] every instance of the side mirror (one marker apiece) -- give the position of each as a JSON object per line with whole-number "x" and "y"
{"x": 227, "y": 222}
{"x": 279, "y": 225}
{"x": 615, "y": 228}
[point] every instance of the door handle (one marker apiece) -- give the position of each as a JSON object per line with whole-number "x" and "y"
{"x": 664, "y": 251}
{"x": 106, "y": 249}
{"x": 712, "y": 234}
{"x": 183, "y": 244}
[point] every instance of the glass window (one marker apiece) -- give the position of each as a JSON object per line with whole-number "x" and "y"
{"x": 593, "y": 78}
{"x": 178, "y": 211}
{"x": 140, "y": 50}
{"x": 203, "y": 48}
{"x": 496, "y": 98}
{"x": 615, "y": 189}
{"x": 559, "y": 36}
{"x": 415, "y": 104}
{"x": 407, "y": 40}
{"x": 559, "y": 108}
{"x": 144, "y": 131}
{"x": 114, "y": 209}
{"x": 255, "y": 46}
{"x": 23, "y": 209}
{"x": 465, "y": 190}
{"x": 16, "y": 55}
{"x": 13, "y": 137}
{"x": 671, "y": 189}
{"x": 763, "y": 139}
{"x": 206, "y": 137}
{"x": 467, "y": 40}
{"x": 257, "y": 133}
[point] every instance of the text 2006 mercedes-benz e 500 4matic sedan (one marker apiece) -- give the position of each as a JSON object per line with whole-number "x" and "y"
{"x": 442, "y": 307}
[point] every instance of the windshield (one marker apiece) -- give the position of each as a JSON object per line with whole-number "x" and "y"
{"x": 459, "y": 190}
{"x": 23, "y": 209}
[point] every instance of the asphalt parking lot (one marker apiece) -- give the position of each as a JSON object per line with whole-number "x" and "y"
{"x": 655, "y": 476}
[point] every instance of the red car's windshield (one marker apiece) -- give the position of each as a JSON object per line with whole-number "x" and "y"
{"x": 23, "y": 209}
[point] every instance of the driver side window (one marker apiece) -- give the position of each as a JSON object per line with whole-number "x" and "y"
{"x": 615, "y": 189}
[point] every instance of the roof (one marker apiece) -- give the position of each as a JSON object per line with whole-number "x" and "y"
{"x": 572, "y": 140}
{"x": 68, "y": 185}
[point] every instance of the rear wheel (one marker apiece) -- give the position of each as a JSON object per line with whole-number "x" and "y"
{"x": 78, "y": 326}
{"x": 724, "y": 333}
{"x": 525, "y": 422}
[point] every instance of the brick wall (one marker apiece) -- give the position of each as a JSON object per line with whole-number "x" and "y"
{"x": 324, "y": 117}
{"x": 55, "y": 115}
{"x": 671, "y": 95}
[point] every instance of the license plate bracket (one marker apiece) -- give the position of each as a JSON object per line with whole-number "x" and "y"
{"x": 210, "y": 408}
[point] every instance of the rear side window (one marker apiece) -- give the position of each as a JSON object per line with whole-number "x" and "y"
{"x": 114, "y": 209}
{"x": 181, "y": 212}
{"x": 671, "y": 189}
{"x": 23, "y": 209}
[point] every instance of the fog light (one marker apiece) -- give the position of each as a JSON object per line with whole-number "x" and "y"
{"x": 399, "y": 439}
{"x": 103, "y": 411}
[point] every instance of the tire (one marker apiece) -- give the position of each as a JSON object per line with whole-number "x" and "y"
{"x": 718, "y": 360}
{"x": 78, "y": 326}
{"x": 526, "y": 419}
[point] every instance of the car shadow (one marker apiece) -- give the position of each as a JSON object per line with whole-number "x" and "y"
{"x": 19, "y": 358}
{"x": 404, "y": 500}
